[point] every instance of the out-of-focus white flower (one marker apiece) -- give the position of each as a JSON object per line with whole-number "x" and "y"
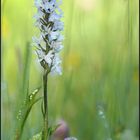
{"x": 70, "y": 138}
{"x": 49, "y": 44}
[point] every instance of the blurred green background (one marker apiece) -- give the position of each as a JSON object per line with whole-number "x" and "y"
{"x": 100, "y": 69}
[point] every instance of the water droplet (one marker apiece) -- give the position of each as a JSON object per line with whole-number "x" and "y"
{"x": 35, "y": 92}
{"x": 101, "y": 113}
{"x": 19, "y": 116}
{"x": 31, "y": 97}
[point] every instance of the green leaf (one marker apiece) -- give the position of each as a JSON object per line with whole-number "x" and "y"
{"x": 24, "y": 112}
{"x": 26, "y": 71}
{"x": 52, "y": 129}
{"x": 42, "y": 110}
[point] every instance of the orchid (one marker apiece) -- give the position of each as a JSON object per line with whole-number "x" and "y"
{"x": 49, "y": 43}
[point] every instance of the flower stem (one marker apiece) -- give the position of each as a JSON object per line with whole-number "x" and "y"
{"x": 45, "y": 130}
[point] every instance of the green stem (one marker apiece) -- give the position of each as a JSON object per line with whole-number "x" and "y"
{"x": 45, "y": 130}
{"x": 19, "y": 130}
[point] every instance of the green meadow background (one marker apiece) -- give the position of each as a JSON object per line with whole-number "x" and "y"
{"x": 100, "y": 69}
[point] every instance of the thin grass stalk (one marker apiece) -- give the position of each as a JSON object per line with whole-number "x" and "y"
{"x": 26, "y": 72}
{"x": 24, "y": 112}
{"x": 45, "y": 129}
